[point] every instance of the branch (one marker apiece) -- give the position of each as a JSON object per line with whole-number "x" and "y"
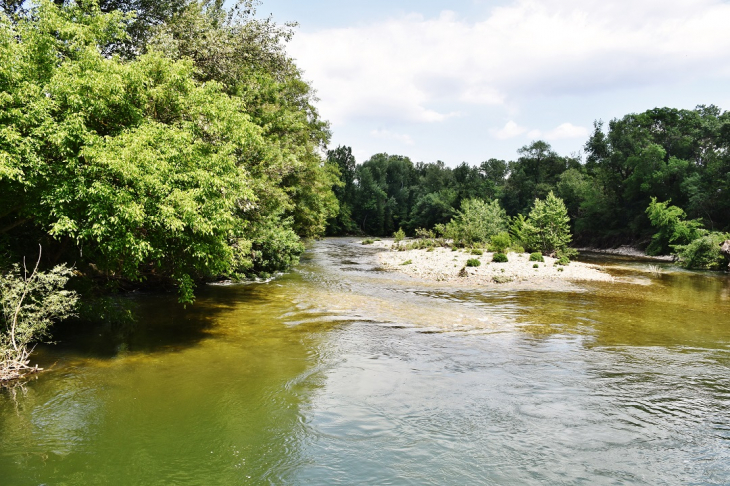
{"x": 22, "y": 297}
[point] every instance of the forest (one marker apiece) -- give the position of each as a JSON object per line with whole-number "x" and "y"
{"x": 657, "y": 180}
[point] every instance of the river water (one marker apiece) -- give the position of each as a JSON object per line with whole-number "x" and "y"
{"x": 341, "y": 373}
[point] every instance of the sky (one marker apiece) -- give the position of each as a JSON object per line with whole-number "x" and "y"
{"x": 469, "y": 80}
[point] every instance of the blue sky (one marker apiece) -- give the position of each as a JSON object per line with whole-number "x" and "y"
{"x": 468, "y": 80}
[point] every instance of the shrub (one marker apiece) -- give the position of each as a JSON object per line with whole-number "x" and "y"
{"x": 704, "y": 252}
{"x": 536, "y": 266}
{"x": 476, "y": 251}
{"x": 500, "y": 242}
{"x": 499, "y": 258}
{"x": 368, "y": 241}
{"x": 536, "y": 257}
{"x": 517, "y": 248}
{"x": 399, "y": 235}
{"x": 28, "y": 307}
{"x": 476, "y": 222}
{"x": 546, "y": 229}
{"x": 501, "y": 279}
{"x": 563, "y": 260}
{"x": 560, "y": 269}
{"x": 473, "y": 262}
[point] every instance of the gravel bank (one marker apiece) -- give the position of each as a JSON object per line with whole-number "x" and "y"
{"x": 445, "y": 265}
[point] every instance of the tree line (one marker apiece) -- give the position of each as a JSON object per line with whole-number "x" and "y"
{"x": 673, "y": 156}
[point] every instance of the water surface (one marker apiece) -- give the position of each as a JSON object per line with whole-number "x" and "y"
{"x": 341, "y": 373}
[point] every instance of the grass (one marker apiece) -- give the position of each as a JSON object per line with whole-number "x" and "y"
{"x": 473, "y": 262}
{"x": 368, "y": 241}
{"x": 407, "y": 262}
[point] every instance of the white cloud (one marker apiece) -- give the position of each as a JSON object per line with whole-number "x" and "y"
{"x": 566, "y": 130}
{"x": 388, "y": 135}
{"x": 424, "y": 70}
{"x": 510, "y": 130}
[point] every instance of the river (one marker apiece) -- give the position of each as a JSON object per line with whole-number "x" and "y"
{"x": 342, "y": 373}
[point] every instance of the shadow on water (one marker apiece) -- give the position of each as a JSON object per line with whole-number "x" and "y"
{"x": 342, "y": 373}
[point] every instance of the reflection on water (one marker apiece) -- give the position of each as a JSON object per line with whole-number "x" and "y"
{"x": 341, "y": 373}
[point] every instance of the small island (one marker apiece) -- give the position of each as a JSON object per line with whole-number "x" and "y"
{"x": 447, "y": 265}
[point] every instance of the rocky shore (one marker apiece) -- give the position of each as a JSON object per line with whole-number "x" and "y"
{"x": 446, "y": 265}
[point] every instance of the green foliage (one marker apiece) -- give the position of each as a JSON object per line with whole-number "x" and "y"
{"x": 563, "y": 260}
{"x": 499, "y": 258}
{"x": 476, "y": 251}
{"x": 500, "y": 242}
{"x": 704, "y": 252}
{"x": 517, "y": 248}
{"x": 368, "y": 241}
{"x": 672, "y": 227}
{"x": 31, "y": 301}
{"x": 473, "y": 262}
{"x": 196, "y": 159}
{"x": 536, "y": 257}
{"x": 535, "y": 265}
{"x": 476, "y": 222}
{"x": 407, "y": 262}
{"x": 399, "y": 235}
{"x": 546, "y": 230}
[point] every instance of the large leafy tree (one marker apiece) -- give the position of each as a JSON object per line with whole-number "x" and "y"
{"x": 150, "y": 168}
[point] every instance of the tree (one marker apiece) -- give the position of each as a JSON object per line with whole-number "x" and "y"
{"x": 547, "y": 227}
{"x": 476, "y": 222}
{"x": 672, "y": 227}
{"x": 344, "y": 165}
{"x": 157, "y": 168}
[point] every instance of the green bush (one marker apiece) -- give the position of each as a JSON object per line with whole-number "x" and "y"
{"x": 536, "y": 266}
{"x": 500, "y": 242}
{"x": 517, "y": 248}
{"x": 546, "y": 229}
{"x": 563, "y": 260}
{"x": 368, "y": 241}
{"x": 476, "y": 222}
{"x": 536, "y": 257}
{"x": 672, "y": 227}
{"x": 399, "y": 235}
{"x": 704, "y": 252}
{"x": 476, "y": 251}
{"x": 499, "y": 258}
{"x": 424, "y": 233}
{"x": 473, "y": 262}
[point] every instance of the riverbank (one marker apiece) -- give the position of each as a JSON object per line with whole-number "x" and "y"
{"x": 446, "y": 265}
{"x": 629, "y": 251}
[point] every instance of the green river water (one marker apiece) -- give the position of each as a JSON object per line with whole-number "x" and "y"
{"x": 341, "y": 373}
